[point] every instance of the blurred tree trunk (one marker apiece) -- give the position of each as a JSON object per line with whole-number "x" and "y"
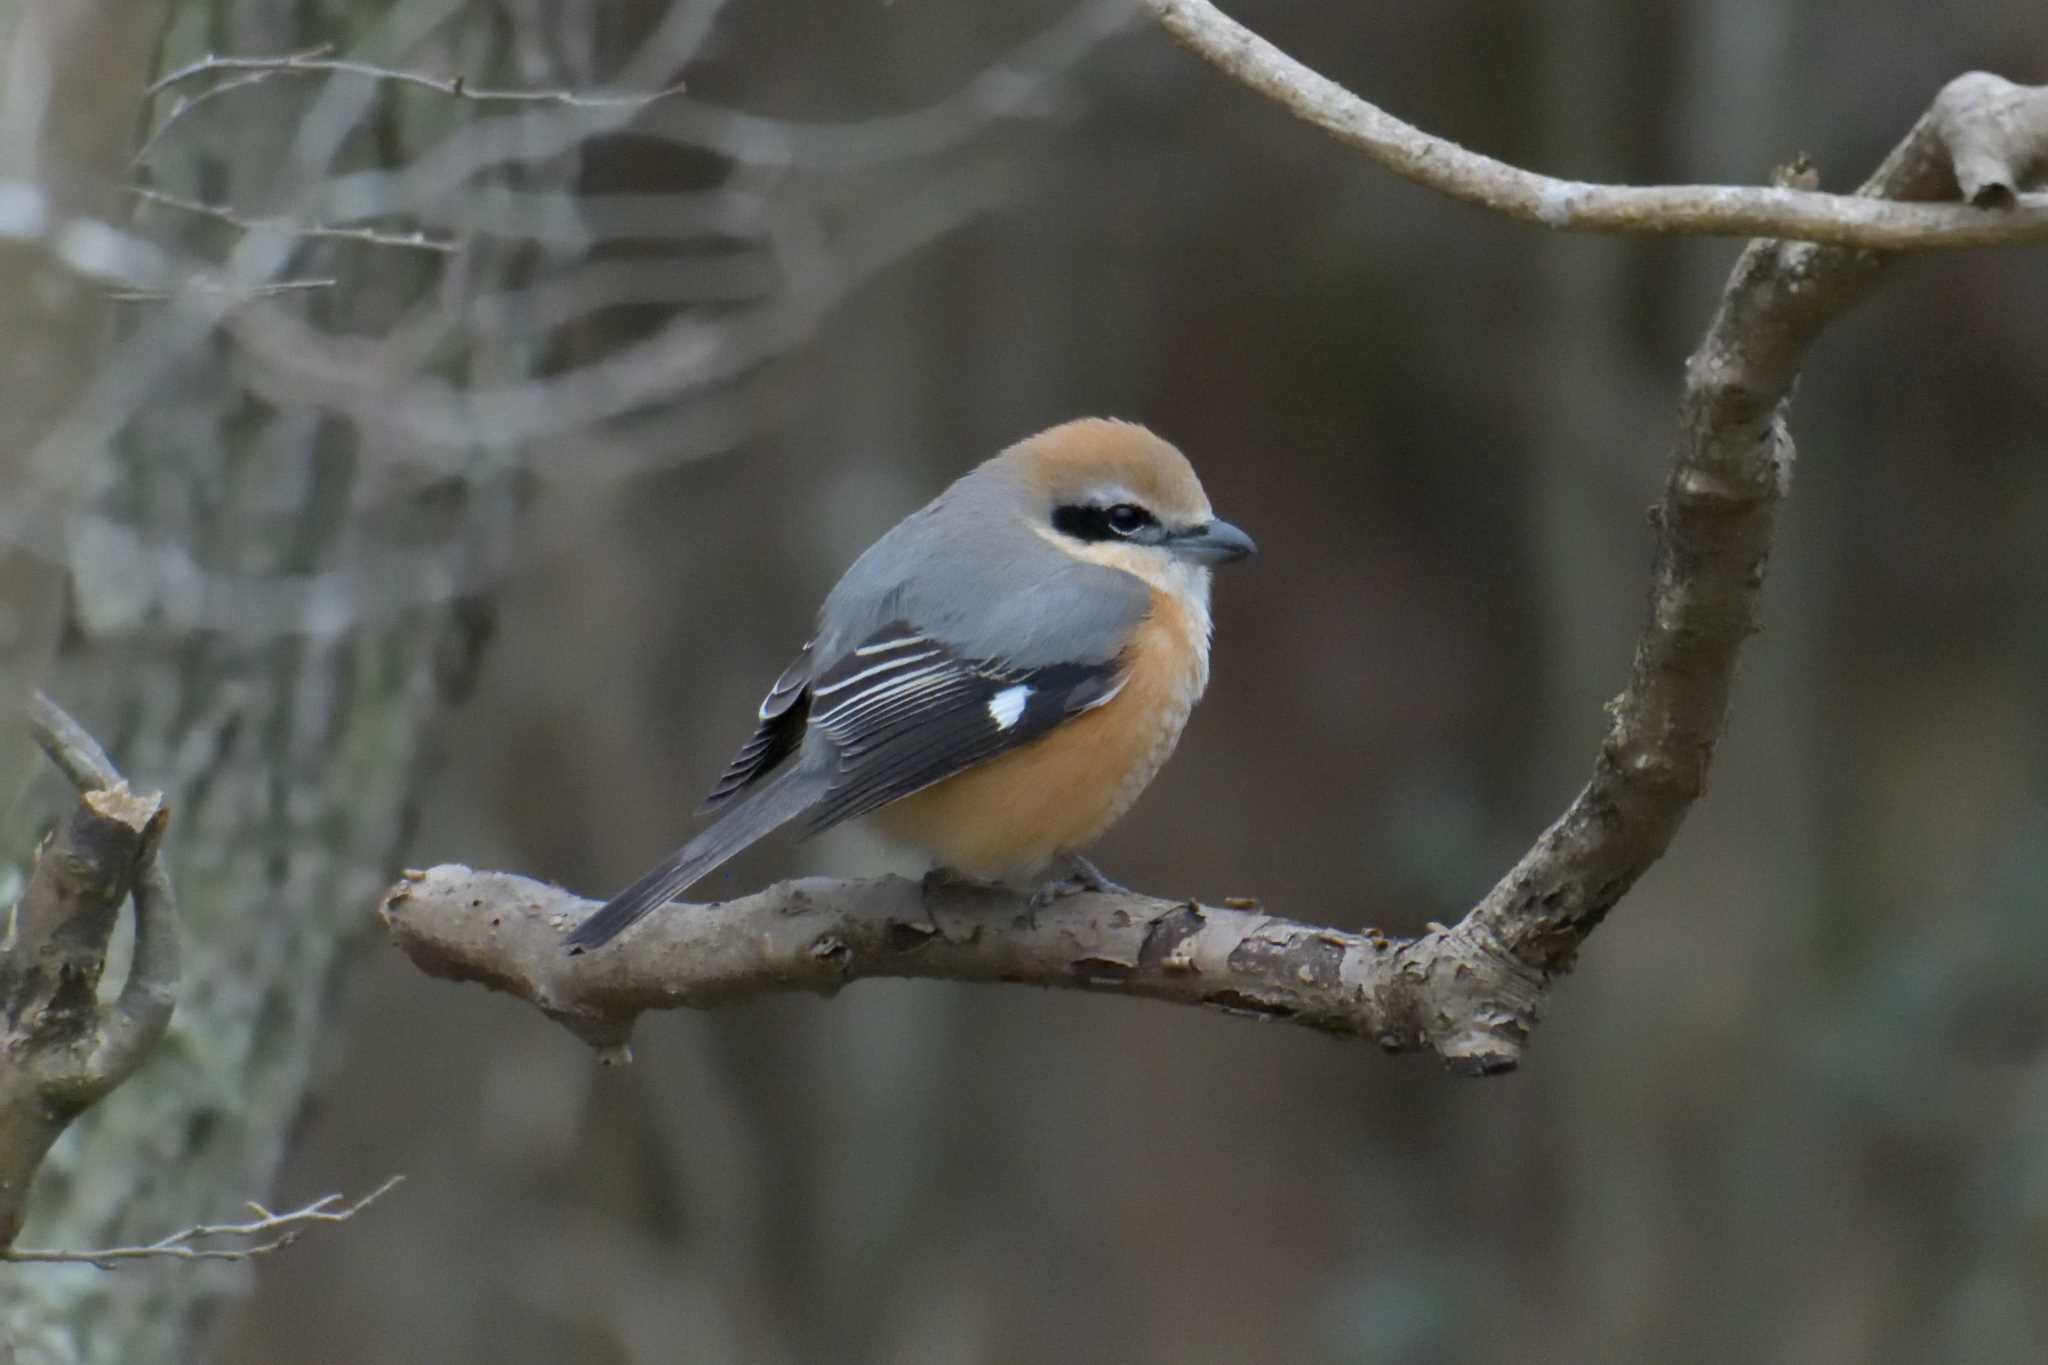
{"x": 290, "y": 720}
{"x": 71, "y": 147}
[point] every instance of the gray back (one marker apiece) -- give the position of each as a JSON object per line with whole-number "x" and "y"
{"x": 969, "y": 571}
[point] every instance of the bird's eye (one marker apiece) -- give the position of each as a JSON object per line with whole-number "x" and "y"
{"x": 1091, "y": 521}
{"x": 1127, "y": 519}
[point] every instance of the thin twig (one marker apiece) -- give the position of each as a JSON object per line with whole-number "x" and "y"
{"x": 275, "y": 1231}
{"x": 1573, "y": 205}
{"x": 265, "y": 67}
{"x": 313, "y": 63}
{"x": 413, "y": 241}
{"x": 258, "y": 291}
{"x": 186, "y": 104}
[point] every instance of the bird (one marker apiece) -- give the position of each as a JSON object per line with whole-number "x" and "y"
{"x": 995, "y": 680}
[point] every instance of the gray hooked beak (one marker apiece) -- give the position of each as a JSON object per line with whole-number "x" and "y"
{"x": 1213, "y": 542}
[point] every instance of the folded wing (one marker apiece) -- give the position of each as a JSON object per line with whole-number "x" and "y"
{"x": 903, "y": 711}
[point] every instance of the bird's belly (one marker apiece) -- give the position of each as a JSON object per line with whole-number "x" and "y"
{"x": 1013, "y": 815}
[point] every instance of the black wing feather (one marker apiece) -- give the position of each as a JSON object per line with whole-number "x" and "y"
{"x": 782, "y": 716}
{"x": 894, "y": 730}
{"x": 896, "y": 714}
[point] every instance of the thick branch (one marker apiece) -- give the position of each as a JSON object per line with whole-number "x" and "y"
{"x": 62, "y": 1049}
{"x": 505, "y": 932}
{"x": 1731, "y": 467}
{"x": 1665, "y": 210}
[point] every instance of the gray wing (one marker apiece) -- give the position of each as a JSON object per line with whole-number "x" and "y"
{"x": 981, "y": 580}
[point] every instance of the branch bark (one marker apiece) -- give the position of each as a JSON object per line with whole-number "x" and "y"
{"x": 1470, "y": 993}
{"x": 64, "y": 1050}
{"x": 818, "y": 934}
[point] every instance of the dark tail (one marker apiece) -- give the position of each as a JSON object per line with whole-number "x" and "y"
{"x": 779, "y": 800}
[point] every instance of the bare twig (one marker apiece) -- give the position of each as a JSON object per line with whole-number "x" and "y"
{"x": 186, "y": 104}
{"x": 132, "y": 267}
{"x": 265, "y": 1233}
{"x": 261, "y": 68}
{"x": 259, "y": 291}
{"x": 412, "y": 241}
{"x": 1573, "y": 205}
{"x": 314, "y": 62}
{"x": 243, "y": 72}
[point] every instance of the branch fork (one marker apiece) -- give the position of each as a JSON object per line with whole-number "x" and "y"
{"x": 63, "y": 1049}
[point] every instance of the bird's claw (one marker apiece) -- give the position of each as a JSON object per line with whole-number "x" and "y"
{"x": 1081, "y": 878}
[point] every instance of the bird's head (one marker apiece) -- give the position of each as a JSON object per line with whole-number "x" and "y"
{"x": 1114, "y": 493}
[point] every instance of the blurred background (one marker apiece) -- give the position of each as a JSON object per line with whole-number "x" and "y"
{"x": 565, "y": 494}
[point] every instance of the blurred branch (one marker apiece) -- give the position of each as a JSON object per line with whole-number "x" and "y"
{"x": 1470, "y": 993}
{"x": 690, "y": 388}
{"x": 1023, "y": 82}
{"x": 134, "y": 267}
{"x": 1994, "y": 131}
{"x": 64, "y": 1049}
{"x": 265, "y": 1233}
{"x": 817, "y": 934}
{"x": 292, "y": 362}
{"x": 314, "y": 62}
{"x": 254, "y": 291}
{"x": 243, "y": 72}
{"x": 77, "y": 754}
{"x": 788, "y": 269}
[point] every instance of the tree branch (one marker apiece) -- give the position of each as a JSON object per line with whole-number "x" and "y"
{"x": 505, "y": 932}
{"x": 63, "y": 1049}
{"x": 1971, "y": 102}
{"x": 1470, "y": 993}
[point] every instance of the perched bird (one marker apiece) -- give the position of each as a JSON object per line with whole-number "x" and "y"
{"x": 996, "y": 679}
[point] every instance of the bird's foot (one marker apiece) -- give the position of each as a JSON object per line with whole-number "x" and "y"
{"x": 1080, "y": 877}
{"x": 939, "y": 877}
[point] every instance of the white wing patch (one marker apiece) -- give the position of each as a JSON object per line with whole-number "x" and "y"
{"x": 1005, "y": 706}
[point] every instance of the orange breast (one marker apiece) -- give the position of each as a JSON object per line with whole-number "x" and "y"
{"x": 1011, "y": 816}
